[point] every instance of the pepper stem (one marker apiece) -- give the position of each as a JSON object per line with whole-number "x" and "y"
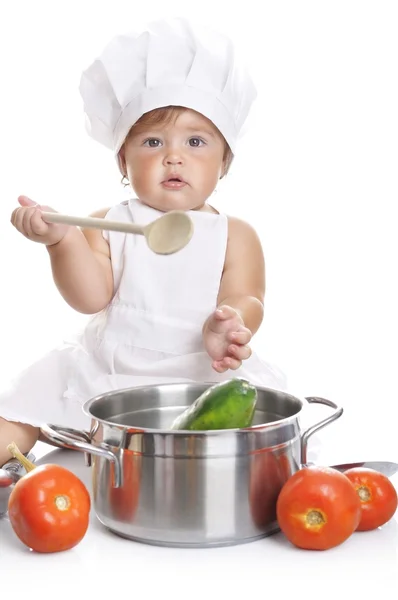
{"x": 16, "y": 453}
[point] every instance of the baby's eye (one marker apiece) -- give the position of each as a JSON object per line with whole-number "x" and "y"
{"x": 152, "y": 143}
{"x": 195, "y": 142}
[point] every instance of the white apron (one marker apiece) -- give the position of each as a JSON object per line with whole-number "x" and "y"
{"x": 150, "y": 332}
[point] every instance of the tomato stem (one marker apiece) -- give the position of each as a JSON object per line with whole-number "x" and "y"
{"x": 16, "y": 453}
{"x": 62, "y": 502}
{"x": 315, "y": 518}
{"x": 364, "y": 493}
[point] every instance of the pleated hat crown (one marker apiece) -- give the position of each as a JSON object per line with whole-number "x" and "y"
{"x": 171, "y": 63}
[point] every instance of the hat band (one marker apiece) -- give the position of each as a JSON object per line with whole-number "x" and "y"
{"x": 189, "y": 97}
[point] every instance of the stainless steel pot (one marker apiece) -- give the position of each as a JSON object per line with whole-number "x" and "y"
{"x": 183, "y": 488}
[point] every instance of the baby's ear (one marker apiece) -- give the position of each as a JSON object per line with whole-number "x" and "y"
{"x": 226, "y": 163}
{"x": 121, "y": 161}
{"x": 224, "y": 170}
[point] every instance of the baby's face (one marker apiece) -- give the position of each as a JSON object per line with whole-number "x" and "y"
{"x": 176, "y": 165}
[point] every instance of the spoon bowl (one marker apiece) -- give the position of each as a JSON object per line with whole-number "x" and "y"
{"x": 170, "y": 233}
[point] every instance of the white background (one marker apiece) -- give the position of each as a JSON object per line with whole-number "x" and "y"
{"x": 316, "y": 174}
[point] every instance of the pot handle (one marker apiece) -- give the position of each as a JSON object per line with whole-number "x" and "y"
{"x": 72, "y": 439}
{"x": 308, "y": 432}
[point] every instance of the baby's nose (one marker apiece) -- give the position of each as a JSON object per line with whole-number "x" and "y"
{"x": 173, "y": 158}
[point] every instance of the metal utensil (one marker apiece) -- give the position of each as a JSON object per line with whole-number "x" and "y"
{"x": 10, "y": 473}
{"x": 8, "y": 480}
{"x": 386, "y": 468}
{"x": 166, "y": 235}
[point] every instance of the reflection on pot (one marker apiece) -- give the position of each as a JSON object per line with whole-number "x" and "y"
{"x": 123, "y": 500}
{"x": 269, "y": 471}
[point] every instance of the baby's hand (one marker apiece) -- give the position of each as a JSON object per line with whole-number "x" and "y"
{"x": 225, "y": 338}
{"x": 28, "y": 220}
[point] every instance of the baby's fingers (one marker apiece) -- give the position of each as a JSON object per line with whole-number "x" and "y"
{"x": 240, "y": 352}
{"x": 225, "y": 312}
{"x": 241, "y": 337}
{"x": 14, "y": 216}
{"x": 226, "y": 363}
{"x": 25, "y": 201}
{"x": 18, "y": 219}
{"x": 38, "y": 226}
{"x": 32, "y": 222}
{"x": 27, "y": 221}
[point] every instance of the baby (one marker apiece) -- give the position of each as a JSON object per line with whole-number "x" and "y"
{"x": 170, "y": 103}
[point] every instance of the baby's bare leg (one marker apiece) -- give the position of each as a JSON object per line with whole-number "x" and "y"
{"x": 25, "y": 436}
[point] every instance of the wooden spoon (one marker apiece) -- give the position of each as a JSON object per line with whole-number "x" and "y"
{"x": 166, "y": 235}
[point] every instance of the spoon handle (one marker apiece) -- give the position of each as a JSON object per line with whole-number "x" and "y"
{"x": 93, "y": 223}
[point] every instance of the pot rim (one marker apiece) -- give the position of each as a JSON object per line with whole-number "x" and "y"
{"x": 184, "y": 432}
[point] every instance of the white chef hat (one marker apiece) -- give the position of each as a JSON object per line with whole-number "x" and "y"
{"x": 169, "y": 63}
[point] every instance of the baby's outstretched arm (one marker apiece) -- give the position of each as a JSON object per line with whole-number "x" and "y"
{"x": 80, "y": 260}
{"x": 229, "y": 329}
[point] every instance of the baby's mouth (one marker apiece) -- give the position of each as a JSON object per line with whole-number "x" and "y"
{"x": 174, "y": 182}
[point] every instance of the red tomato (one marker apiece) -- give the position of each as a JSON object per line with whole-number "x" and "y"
{"x": 316, "y": 509}
{"x": 377, "y": 495}
{"x": 49, "y": 509}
